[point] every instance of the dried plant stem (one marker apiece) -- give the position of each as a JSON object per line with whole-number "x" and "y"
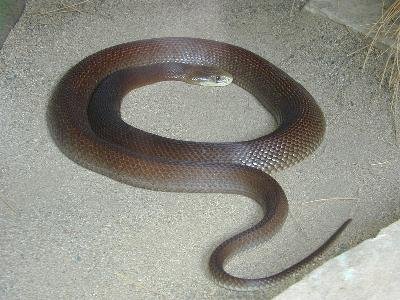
{"x": 9, "y": 206}
{"x": 331, "y": 199}
{"x": 388, "y": 27}
{"x": 66, "y": 7}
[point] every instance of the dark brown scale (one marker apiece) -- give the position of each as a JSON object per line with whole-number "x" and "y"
{"x": 84, "y": 120}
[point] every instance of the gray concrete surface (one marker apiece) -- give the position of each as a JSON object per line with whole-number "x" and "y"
{"x": 359, "y": 15}
{"x": 10, "y": 11}
{"x": 368, "y": 271}
{"x": 69, "y": 233}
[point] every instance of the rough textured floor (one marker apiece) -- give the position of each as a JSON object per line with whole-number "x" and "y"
{"x": 67, "y": 232}
{"x": 359, "y": 15}
{"x": 368, "y": 271}
{"x": 10, "y": 11}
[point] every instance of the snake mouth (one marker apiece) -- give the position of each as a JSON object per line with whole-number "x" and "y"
{"x": 212, "y": 80}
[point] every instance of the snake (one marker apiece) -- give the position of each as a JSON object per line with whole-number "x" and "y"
{"x": 84, "y": 120}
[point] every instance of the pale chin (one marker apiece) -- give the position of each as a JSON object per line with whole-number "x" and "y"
{"x": 225, "y": 82}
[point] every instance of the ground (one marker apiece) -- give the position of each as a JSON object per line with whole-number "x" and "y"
{"x": 67, "y": 232}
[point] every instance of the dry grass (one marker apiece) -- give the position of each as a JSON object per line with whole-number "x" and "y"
{"x": 388, "y": 28}
{"x": 8, "y": 205}
{"x": 65, "y": 7}
{"x": 332, "y": 199}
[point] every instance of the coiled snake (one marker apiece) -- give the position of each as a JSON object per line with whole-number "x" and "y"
{"x": 84, "y": 121}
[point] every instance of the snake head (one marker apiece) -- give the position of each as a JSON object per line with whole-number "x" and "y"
{"x": 207, "y": 76}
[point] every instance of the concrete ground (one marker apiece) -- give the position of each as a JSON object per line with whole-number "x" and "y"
{"x": 10, "y": 11}
{"x": 359, "y": 15}
{"x": 368, "y": 271}
{"x": 67, "y": 232}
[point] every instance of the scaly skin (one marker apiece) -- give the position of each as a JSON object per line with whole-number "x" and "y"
{"x": 84, "y": 120}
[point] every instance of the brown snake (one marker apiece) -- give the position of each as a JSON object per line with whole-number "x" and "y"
{"x": 84, "y": 120}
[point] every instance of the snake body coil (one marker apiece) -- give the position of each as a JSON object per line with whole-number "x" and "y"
{"x": 84, "y": 120}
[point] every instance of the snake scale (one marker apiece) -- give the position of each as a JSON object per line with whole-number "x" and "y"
{"x": 85, "y": 123}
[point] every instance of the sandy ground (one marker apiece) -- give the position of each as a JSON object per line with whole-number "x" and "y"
{"x": 67, "y": 232}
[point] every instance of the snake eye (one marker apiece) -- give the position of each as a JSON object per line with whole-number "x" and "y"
{"x": 209, "y": 77}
